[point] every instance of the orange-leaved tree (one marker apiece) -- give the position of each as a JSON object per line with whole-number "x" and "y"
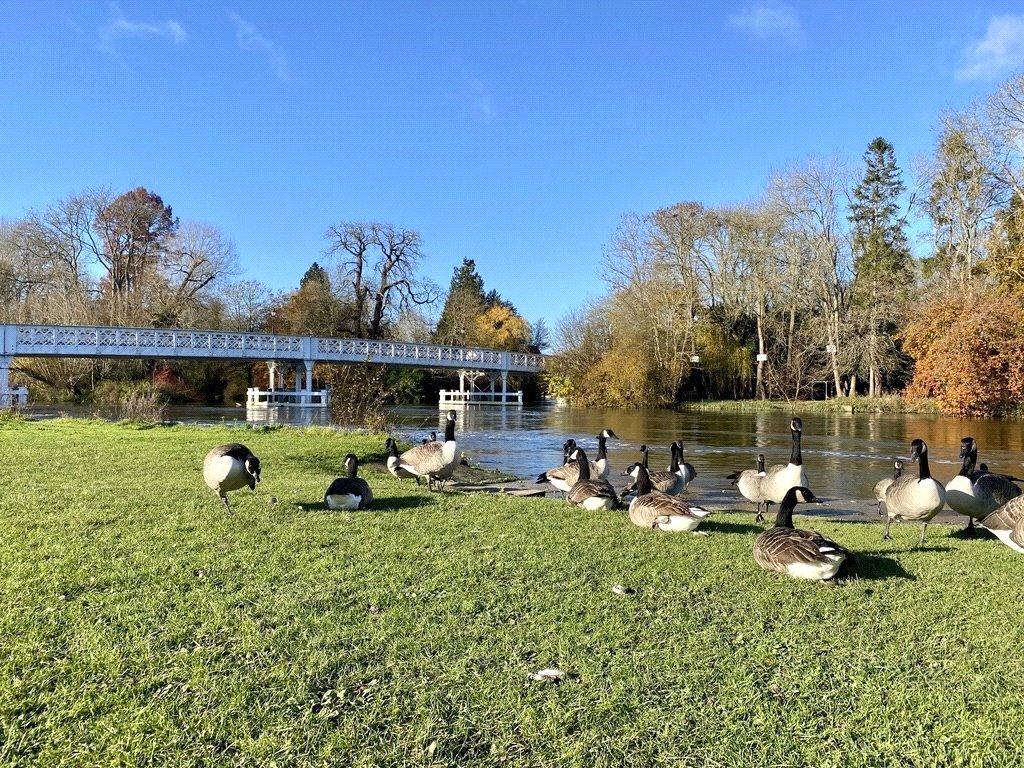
{"x": 969, "y": 353}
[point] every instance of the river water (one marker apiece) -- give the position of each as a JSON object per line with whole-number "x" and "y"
{"x": 845, "y": 454}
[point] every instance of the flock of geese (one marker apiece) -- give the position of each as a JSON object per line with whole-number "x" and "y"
{"x": 656, "y": 502}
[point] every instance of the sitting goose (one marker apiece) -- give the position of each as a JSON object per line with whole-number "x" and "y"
{"x": 435, "y": 461}
{"x": 395, "y": 461}
{"x": 667, "y": 482}
{"x": 1007, "y": 523}
{"x": 748, "y": 482}
{"x": 587, "y": 493}
{"x": 977, "y": 493}
{"x": 680, "y": 465}
{"x": 230, "y": 467}
{"x": 351, "y": 491}
{"x": 781, "y": 477}
{"x": 914, "y": 499}
{"x": 660, "y": 511}
{"x": 882, "y": 485}
{"x": 797, "y": 553}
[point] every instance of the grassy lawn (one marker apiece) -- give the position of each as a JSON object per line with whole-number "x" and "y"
{"x": 143, "y": 625}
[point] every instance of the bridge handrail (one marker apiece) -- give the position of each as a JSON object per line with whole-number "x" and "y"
{"x": 36, "y": 338}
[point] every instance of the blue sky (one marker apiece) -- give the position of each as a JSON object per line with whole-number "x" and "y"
{"x": 514, "y": 133}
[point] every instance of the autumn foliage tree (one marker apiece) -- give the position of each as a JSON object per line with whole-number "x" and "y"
{"x": 970, "y": 353}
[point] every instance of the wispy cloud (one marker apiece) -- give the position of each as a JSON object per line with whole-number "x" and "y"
{"x": 768, "y": 19}
{"x": 250, "y": 38}
{"x": 481, "y": 102}
{"x": 119, "y": 27}
{"x": 996, "y": 54}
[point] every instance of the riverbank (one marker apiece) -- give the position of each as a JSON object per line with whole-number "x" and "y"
{"x": 144, "y": 624}
{"x": 886, "y": 404}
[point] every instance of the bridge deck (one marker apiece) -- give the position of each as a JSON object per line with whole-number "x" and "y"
{"x": 170, "y": 343}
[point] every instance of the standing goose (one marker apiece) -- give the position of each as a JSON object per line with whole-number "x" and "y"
{"x": 660, "y": 511}
{"x": 914, "y": 499}
{"x": 748, "y": 482}
{"x": 1007, "y": 523}
{"x": 229, "y": 467}
{"x": 587, "y": 493}
{"x": 600, "y": 463}
{"x": 666, "y": 482}
{"x": 351, "y": 491}
{"x": 681, "y": 465}
{"x": 564, "y": 477}
{"x": 797, "y": 553}
{"x": 977, "y": 493}
{"x": 883, "y": 485}
{"x": 781, "y": 477}
{"x": 435, "y": 461}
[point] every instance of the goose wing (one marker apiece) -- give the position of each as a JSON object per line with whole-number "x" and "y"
{"x": 585, "y": 489}
{"x": 656, "y": 508}
{"x": 1007, "y": 518}
{"x": 660, "y": 481}
{"x": 997, "y": 488}
{"x": 423, "y": 459}
{"x": 779, "y": 548}
{"x": 881, "y": 487}
{"x": 234, "y": 450}
{"x": 569, "y": 473}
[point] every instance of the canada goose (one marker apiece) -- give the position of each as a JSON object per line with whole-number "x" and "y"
{"x": 797, "y": 553}
{"x": 654, "y": 509}
{"x": 435, "y": 461}
{"x": 600, "y": 462}
{"x": 882, "y": 485}
{"x": 748, "y": 482}
{"x": 682, "y": 466}
{"x": 977, "y": 493}
{"x": 666, "y": 482}
{"x": 914, "y": 499}
{"x": 230, "y": 467}
{"x": 395, "y": 461}
{"x": 1007, "y": 523}
{"x": 431, "y": 439}
{"x": 781, "y": 477}
{"x": 351, "y": 491}
{"x": 565, "y": 476}
{"x": 587, "y": 493}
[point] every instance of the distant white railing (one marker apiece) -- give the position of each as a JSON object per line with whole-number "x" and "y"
{"x": 98, "y": 341}
{"x": 478, "y": 397}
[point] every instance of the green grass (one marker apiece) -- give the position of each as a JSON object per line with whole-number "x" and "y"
{"x": 885, "y": 404}
{"x": 143, "y": 625}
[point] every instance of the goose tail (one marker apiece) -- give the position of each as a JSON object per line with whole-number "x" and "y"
{"x": 542, "y": 477}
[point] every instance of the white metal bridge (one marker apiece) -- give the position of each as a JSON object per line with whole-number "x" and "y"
{"x": 298, "y": 352}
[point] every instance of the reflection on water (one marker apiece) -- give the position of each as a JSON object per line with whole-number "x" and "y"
{"x": 845, "y": 454}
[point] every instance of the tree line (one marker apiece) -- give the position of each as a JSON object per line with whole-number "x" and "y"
{"x": 100, "y": 258}
{"x": 840, "y": 278}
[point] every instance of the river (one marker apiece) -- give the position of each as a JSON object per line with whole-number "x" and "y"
{"x": 845, "y": 454}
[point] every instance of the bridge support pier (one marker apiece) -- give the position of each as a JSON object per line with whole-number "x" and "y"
{"x": 10, "y": 397}
{"x": 471, "y": 395}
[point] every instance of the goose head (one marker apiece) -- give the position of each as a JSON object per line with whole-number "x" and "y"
{"x": 252, "y": 467}
{"x": 351, "y": 465}
{"x": 897, "y": 467}
{"x": 633, "y": 469}
{"x": 760, "y": 462}
{"x": 606, "y": 433}
{"x": 796, "y": 425}
{"x": 967, "y": 446}
{"x": 800, "y": 495}
{"x": 464, "y": 461}
{"x": 918, "y": 448}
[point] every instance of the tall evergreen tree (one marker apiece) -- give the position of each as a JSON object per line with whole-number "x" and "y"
{"x": 883, "y": 265}
{"x": 315, "y": 274}
{"x": 466, "y": 300}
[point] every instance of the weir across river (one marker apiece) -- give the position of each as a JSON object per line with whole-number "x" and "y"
{"x": 280, "y": 352}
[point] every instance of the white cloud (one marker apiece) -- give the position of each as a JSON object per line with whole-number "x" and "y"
{"x": 766, "y": 19}
{"x": 118, "y": 27}
{"x": 480, "y": 100}
{"x": 998, "y": 53}
{"x": 250, "y": 38}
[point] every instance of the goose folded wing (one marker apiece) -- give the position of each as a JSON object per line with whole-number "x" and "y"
{"x": 348, "y": 486}
{"x": 787, "y": 546}
{"x": 570, "y": 473}
{"x": 423, "y": 459}
{"x": 585, "y": 489}
{"x": 1000, "y": 489}
{"x": 1007, "y": 517}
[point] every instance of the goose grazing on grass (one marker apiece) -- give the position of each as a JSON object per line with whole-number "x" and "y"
{"x": 351, "y": 491}
{"x": 229, "y": 467}
{"x": 914, "y": 499}
{"x": 748, "y": 482}
{"x": 977, "y": 493}
{"x": 587, "y": 493}
{"x": 883, "y": 485}
{"x": 666, "y": 482}
{"x": 660, "y": 511}
{"x": 781, "y": 477}
{"x": 797, "y": 553}
{"x": 680, "y": 465}
{"x": 435, "y": 461}
{"x": 394, "y": 462}
{"x": 1007, "y": 523}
